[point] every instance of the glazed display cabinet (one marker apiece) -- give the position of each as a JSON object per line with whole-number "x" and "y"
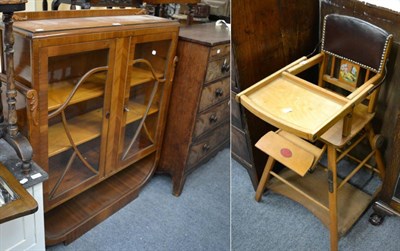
{"x": 99, "y": 84}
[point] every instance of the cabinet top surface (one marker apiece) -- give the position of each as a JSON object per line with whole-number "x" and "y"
{"x": 43, "y": 26}
{"x": 208, "y": 34}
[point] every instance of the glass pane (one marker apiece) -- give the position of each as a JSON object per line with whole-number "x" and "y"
{"x": 142, "y": 108}
{"x": 156, "y": 53}
{"x": 7, "y": 195}
{"x": 75, "y": 105}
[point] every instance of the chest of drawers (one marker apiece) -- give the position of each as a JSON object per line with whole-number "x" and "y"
{"x": 198, "y": 118}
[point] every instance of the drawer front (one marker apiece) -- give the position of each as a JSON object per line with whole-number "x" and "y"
{"x": 212, "y": 118}
{"x": 202, "y": 148}
{"x": 219, "y": 51}
{"x": 214, "y": 93}
{"x": 218, "y": 69}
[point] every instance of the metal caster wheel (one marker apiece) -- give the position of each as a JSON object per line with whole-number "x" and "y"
{"x": 376, "y": 219}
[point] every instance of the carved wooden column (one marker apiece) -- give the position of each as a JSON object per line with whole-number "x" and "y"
{"x": 10, "y": 128}
{"x": 2, "y": 125}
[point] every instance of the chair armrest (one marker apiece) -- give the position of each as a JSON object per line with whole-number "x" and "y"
{"x": 364, "y": 90}
{"x": 306, "y": 64}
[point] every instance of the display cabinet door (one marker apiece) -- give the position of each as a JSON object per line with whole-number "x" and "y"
{"x": 150, "y": 60}
{"x": 78, "y": 78}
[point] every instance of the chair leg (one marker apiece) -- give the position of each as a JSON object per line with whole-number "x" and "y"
{"x": 378, "y": 156}
{"x": 332, "y": 185}
{"x": 264, "y": 178}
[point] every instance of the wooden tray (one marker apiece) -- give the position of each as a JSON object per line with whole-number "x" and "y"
{"x": 295, "y": 105}
{"x": 23, "y": 205}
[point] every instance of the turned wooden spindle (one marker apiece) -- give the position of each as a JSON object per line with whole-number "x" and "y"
{"x": 12, "y": 128}
{"x": 11, "y": 134}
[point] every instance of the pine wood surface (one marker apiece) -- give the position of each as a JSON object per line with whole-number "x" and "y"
{"x": 314, "y": 150}
{"x": 300, "y": 108}
{"x": 299, "y": 159}
{"x": 260, "y": 47}
{"x": 351, "y": 201}
{"x": 360, "y": 118}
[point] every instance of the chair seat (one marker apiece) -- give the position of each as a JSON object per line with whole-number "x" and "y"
{"x": 360, "y": 119}
{"x": 293, "y": 152}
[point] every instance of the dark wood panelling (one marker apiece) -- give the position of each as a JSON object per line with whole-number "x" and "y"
{"x": 267, "y": 35}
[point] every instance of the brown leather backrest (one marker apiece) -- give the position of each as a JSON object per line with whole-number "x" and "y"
{"x": 355, "y": 40}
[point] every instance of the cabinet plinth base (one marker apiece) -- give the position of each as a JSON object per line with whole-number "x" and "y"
{"x": 75, "y": 217}
{"x": 352, "y": 202}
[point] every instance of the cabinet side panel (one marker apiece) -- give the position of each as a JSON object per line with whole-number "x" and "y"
{"x": 189, "y": 77}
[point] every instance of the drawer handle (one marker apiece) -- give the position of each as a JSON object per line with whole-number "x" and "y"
{"x": 219, "y": 92}
{"x": 206, "y": 147}
{"x": 225, "y": 67}
{"x": 213, "y": 118}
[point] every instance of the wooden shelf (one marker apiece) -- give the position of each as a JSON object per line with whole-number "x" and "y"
{"x": 352, "y": 202}
{"x": 77, "y": 173}
{"x": 82, "y": 128}
{"x": 136, "y": 111}
{"x": 86, "y": 127}
{"x": 92, "y": 88}
{"x": 63, "y": 224}
{"x": 141, "y": 76}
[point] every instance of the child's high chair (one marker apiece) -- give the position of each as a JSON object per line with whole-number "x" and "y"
{"x": 337, "y": 113}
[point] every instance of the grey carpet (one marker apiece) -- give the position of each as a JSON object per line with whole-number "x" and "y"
{"x": 157, "y": 220}
{"x": 278, "y": 223}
